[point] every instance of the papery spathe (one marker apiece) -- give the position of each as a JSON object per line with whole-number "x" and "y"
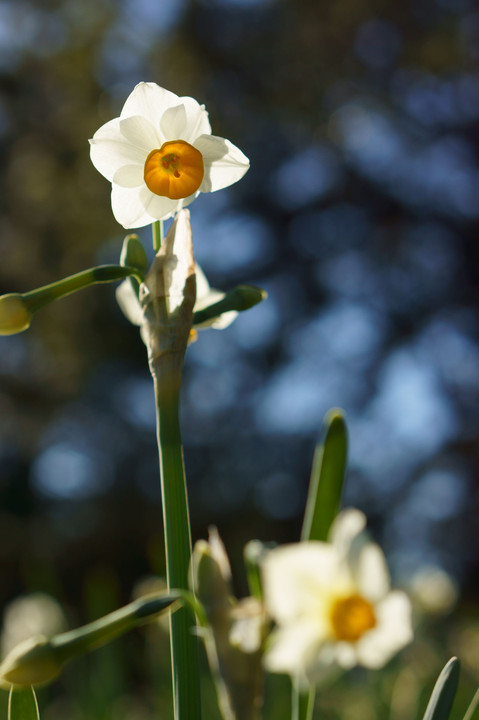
{"x": 205, "y": 295}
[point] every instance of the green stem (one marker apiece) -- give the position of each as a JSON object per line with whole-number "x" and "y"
{"x": 105, "y": 629}
{"x": 36, "y": 299}
{"x": 302, "y": 702}
{"x": 157, "y": 230}
{"x": 184, "y": 649}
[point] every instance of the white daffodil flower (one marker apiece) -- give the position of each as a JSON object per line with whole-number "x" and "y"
{"x": 160, "y": 154}
{"x": 332, "y": 604}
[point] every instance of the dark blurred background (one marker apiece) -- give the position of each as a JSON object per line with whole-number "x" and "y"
{"x": 359, "y": 216}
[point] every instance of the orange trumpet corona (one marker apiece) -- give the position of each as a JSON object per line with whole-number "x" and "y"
{"x": 174, "y": 171}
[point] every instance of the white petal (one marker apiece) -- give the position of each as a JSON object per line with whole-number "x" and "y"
{"x": 173, "y": 123}
{"x": 158, "y": 207}
{"x": 297, "y": 580}
{"x": 392, "y": 632}
{"x": 346, "y": 527}
{"x": 109, "y": 150}
{"x": 186, "y": 201}
{"x": 324, "y": 668}
{"x": 149, "y": 100}
{"x": 202, "y": 288}
{"x": 221, "y": 322}
{"x": 129, "y": 303}
{"x": 292, "y": 649}
{"x": 345, "y": 655}
{"x": 371, "y": 572}
{"x": 129, "y": 176}
{"x": 224, "y": 163}
{"x": 205, "y": 296}
{"x": 128, "y": 208}
{"x": 197, "y": 122}
{"x": 213, "y": 296}
{"x": 140, "y": 132}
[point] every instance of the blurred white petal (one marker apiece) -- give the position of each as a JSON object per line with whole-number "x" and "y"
{"x": 291, "y": 649}
{"x": 347, "y": 526}
{"x": 392, "y": 632}
{"x": 296, "y": 579}
{"x": 371, "y": 572}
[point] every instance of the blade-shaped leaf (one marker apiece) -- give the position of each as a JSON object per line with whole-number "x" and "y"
{"x": 471, "y": 710}
{"x": 327, "y": 477}
{"x": 242, "y": 297}
{"x": 22, "y": 704}
{"x": 442, "y": 697}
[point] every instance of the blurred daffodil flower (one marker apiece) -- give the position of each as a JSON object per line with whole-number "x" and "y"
{"x": 332, "y": 604}
{"x": 160, "y": 154}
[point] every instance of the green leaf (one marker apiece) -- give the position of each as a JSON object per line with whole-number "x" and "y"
{"x": 242, "y": 297}
{"x": 471, "y": 710}
{"x": 22, "y": 704}
{"x": 327, "y": 477}
{"x": 442, "y": 697}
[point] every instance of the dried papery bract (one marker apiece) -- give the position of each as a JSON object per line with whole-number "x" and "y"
{"x": 167, "y": 298}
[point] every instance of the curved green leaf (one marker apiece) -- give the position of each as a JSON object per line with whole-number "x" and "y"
{"x": 22, "y": 704}
{"x": 242, "y": 297}
{"x": 327, "y": 478}
{"x": 471, "y": 710}
{"x": 440, "y": 702}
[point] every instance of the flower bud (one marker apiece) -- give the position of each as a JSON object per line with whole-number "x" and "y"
{"x": 133, "y": 253}
{"x": 14, "y": 316}
{"x": 234, "y": 632}
{"x": 33, "y": 662}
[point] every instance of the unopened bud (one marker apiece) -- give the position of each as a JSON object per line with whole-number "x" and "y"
{"x": 33, "y": 662}
{"x": 133, "y": 254}
{"x": 234, "y": 632}
{"x": 14, "y": 316}
{"x": 211, "y": 577}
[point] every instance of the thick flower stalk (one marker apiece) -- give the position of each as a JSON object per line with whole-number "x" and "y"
{"x": 160, "y": 154}
{"x": 332, "y": 604}
{"x": 167, "y": 297}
